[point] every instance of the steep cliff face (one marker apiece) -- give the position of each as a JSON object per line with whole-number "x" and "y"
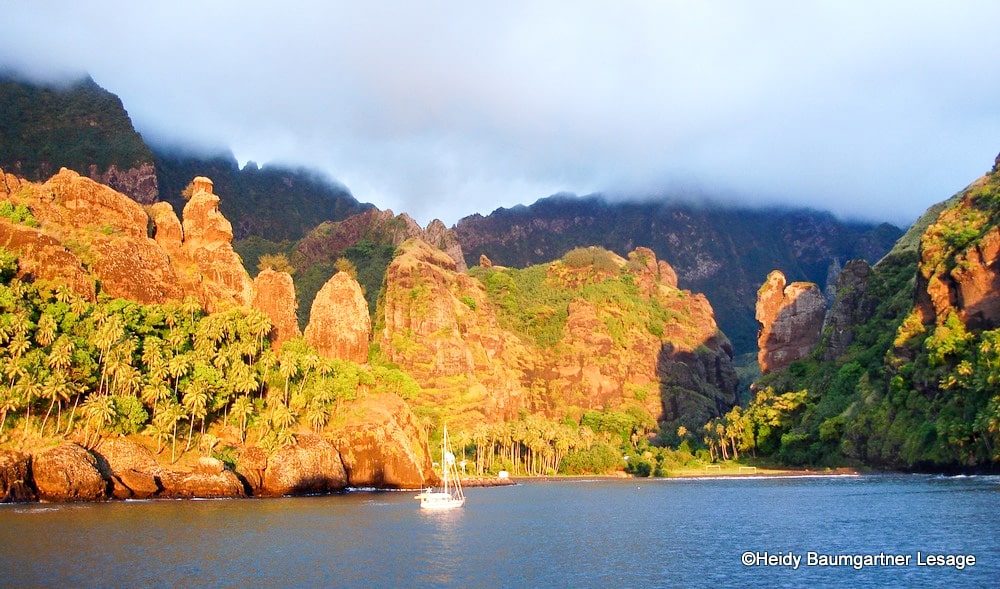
{"x": 606, "y": 334}
{"x": 274, "y": 295}
{"x": 851, "y": 307}
{"x": 439, "y": 325}
{"x": 791, "y": 318}
{"x": 959, "y": 269}
{"x": 339, "y": 324}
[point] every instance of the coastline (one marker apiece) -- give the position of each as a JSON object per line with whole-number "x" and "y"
{"x": 694, "y": 473}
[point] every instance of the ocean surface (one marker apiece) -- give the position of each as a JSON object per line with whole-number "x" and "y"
{"x": 863, "y": 531}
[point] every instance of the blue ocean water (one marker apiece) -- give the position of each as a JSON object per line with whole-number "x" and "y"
{"x": 858, "y": 531}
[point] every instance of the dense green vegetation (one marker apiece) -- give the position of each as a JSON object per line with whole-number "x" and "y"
{"x": 534, "y": 301}
{"x": 45, "y": 128}
{"x": 75, "y": 368}
{"x": 721, "y": 251}
{"x": 906, "y": 394}
{"x": 601, "y": 442}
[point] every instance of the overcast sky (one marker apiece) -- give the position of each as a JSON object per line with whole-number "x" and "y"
{"x": 873, "y": 110}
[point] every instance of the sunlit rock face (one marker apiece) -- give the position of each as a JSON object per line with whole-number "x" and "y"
{"x": 67, "y": 473}
{"x": 791, "y": 318}
{"x": 339, "y": 324}
{"x": 311, "y": 465}
{"x": 274, "y": 295}
{"x": 383, "y": 445}
{"x": 442, "y": 327}
{"x": 208, "y": 245}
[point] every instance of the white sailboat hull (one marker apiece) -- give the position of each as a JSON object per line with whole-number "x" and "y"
{"x": 439, "y": 500}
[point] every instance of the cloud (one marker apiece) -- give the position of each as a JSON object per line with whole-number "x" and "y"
{"x": 443, "y": 109}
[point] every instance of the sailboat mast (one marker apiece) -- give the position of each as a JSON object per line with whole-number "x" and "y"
{"x": 444, "y": 458}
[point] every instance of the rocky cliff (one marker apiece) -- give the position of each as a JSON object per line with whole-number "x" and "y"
{"x": 339, "y": 325}
{"x": 617, "y": 333}
{"x": 208, "y": 247}
{"x": 274, "y": 295}
{"x": 719, "y": 250}
{"x": 438, "y": 324}
{"x": 905, "y": 375}
{"x": 83, "y": 234}
{"x": 959, "y": 268}
{"x": 383, "y": 446}
{"x": 791, "y": 318}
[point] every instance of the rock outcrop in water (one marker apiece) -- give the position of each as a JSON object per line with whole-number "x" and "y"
{"x": 312, "y": 465}
{"x": 68, "y": 473}
{"x": 15, "y": 477}
{"x": 383, "y": 446}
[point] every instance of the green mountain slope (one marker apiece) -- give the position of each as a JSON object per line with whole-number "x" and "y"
{"x": 723, "y": 252}
{"x": 919, "y": 387}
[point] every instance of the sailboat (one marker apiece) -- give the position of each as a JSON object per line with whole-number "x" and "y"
{"x": 450, "y": 496}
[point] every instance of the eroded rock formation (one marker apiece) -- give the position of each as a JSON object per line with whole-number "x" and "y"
{"x": 339, "y": 324}
{"x": 791, "y": 318}
{"x": 208, "y": 244}
{"x": 850, "y": 308}
{"x": 133, "y": 469}
{"x": 84, "y": 233}
{"x": 274, "y": 295}
{"x": 970, "y": 286}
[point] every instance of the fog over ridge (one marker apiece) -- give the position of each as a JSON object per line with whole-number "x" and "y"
{"x": 445, "y": 109}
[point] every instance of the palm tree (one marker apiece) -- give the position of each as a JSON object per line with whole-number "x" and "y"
{"x": 242, "y": 410}
{"x": 154, "y": 392}
{"x": 288, "y": 368}
{"x": 8, "y": 402}
{"x": 317, "y": 415}
{"x": 177, "y": 367}
{"x": 99, "y": 408}
{"x": 166, "y": 425}
{"x": 19, "y": 345}
{"x": 190, "y": 307}
{"x": 61, "y": 355}
{"x": 195, "y": 401}
{"x": 28, "y": 388}
{"x": 57, "y": 388}
{"x": 45, "y": 331}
